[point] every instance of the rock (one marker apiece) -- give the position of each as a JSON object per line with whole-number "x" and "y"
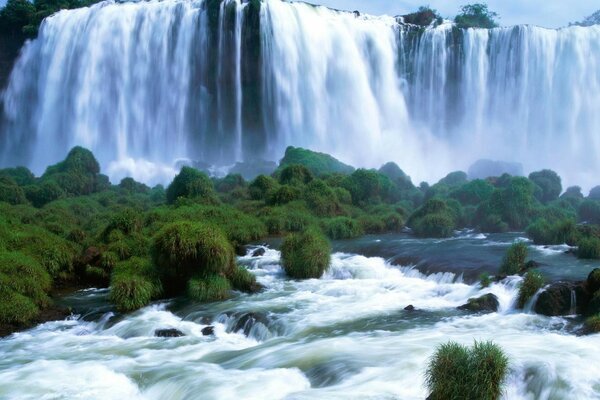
{"x": 246, "y": 321}
{"x": 531, "y": 264}
{"x": 208, "y": 331}
{"x": 486, "y": 303}
{"x": 557, "y": 299}
{"x": 409, "y": 307}
{"x": 593, "y": 281}
{"x": 593, "y": 307}
{"x": 259, "y": 252}
{"x": 168, "y": 333}
{"x": 356, "y": 13}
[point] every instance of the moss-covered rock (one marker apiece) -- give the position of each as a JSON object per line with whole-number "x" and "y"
{"x": 305, "y": 255}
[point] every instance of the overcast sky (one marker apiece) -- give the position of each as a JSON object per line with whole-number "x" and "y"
{"x": 548, "y": 13}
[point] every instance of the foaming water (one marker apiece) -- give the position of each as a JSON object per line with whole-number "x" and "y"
{"x": 344, "y": 336}
{"x": 143, "y": 84}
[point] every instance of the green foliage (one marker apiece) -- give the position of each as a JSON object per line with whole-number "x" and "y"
{"x": 533, "y": 282}
{"x": 424, "y": 16}
{"x": 134, "y": 284}
{"x": 24, "y": 275}
{"x": 434, "y": 219}
{"x": 127, "y": 221}
{"x": 130, "y": 186}
{"x": 78, "y": 174}
{"x": 542, "y": 231}
{"x": 229, "y": 183}
{"x": 366, "y": 186}
{"x": 396, "y": 175}
{"x": 20, "y": 175}
{"x": 592, "y": 324}
{"x": 190, "y": 249}
{"x": 485, "y": 280}
{"x": 16, "y": 308}
{"x": 243, "y": 280}
{"x": 294, "y": 175}
{"x": 210, "y": 288}
{"x": 10, "y": 192}
{"x": 514, "y": 260}
{"x": 261, "y": 187}
{"x": 589, "y": 248}
{"x": 589, "y": 211}
{"x": 549, "y": 183}
{"x": 193, "y": 184}
{"x": 283, "y": 195}
{"x": 321, "y": 199}
{"x": 457, "y": 372}
{"x": 342, "y": 228}
{"x": 293, "y": 217}
{"x": 43, "y": 193}
{"x": 15, "y": 15}
{"x": 476, "y": 16}
{"x": 456, "y": 178}
{"x": 473, "y": 192}
{"x": 305, "y": 255}
{"x": 511, "y": 205}
{"x": 318, "y": 164}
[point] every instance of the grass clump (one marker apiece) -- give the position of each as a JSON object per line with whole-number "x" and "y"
{"x": 342, "y": 228}
{"x": 210, "y": 288}
{"x": 514, "y": 260}
{"x": 193, "y": 184}
{"x": 458, "y": 372}
{"x": 485, "y": 279}
{"x": 434, "y": 219}
{"x": 305, "y": 255}
{"x": 134, "y": 283}
{"x": 243, "y": 280}
{"x": 592, "y": 324}
{"x": 589, "y": 248}
{"x": 533, "y": 282}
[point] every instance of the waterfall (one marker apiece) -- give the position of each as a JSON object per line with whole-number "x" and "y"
{"x": 145, "y": 84}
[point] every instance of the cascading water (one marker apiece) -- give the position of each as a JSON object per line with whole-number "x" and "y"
{"x": 144, "y": 84}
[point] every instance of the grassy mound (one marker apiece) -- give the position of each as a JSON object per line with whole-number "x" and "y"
{"x": 134, "y": 284}
{"x": 305, "y": 255}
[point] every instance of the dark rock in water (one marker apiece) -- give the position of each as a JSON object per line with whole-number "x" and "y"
{"x": 259, "y": 252}
{"x": 208, "y": 331}
{"x": 593, "y": 307}
{"x": 482, "y": 169}
{"x": 409, "y": 307}
{"x": 593, "y": 281}
{"x": 531, "y": 264}
{"x": 168, "y": 333}
{"x": 562, "y": 298}
{"x": 486, "y": 303}
{"x": 247, "y": 321}
{"x": 356, "y": 13}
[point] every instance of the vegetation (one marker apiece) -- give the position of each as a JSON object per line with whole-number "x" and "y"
{"x": 533, "y": 282}
{"x": 424, "y": 16}
{"x": 317, "y": 163}
{"x": 458, "y": 372}
{"x": 514, "y": 260}
{"x": 305, "y": 255}
{"x": 476, "y": 16}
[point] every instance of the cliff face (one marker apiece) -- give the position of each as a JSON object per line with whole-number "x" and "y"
{"x": 9, "y": 50}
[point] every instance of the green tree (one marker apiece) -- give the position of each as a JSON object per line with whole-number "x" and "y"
{"x": 476, "y": 15}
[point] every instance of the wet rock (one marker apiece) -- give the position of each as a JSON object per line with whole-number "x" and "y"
{"x": 208, "y": 331}
{"x": 531, "y": 264}
{"x": 247, "y": 321}
{"x": 593, "y": 307}
{"x": 168, "y": 333}
{"x": 486, "y": 303}
{"x": 409, "y": 307}
{"x": 258, "y": 252}
{"x": 593, "y": 281}
{"x": 562, "y": 298}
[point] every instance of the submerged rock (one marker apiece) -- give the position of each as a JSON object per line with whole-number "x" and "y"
{"x": 562, "y": 298}
{"x": 409, "y": 307}
{"x": 208, "y": 331}
{"x": 168, "y": 333}
{"x": 486, "y": 303}
{"x": 259, "y": 252}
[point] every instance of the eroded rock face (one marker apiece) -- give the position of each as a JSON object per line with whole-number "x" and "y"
{"x": 168, "y": 333}
{"x": 486, "y": 303}
{"x": 562, "y": 298}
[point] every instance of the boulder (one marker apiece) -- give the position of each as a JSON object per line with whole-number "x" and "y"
{"x": 409, "y": 307}
{"x": 247, "y": 321}
{"x": 486, "y": 303}
{"x": 558, "y": 298}
{"x": 259, "y": 252}
{"x": 168, "y": 333}
{"x": 593, "y": 281}
{"x": 208, "y": 331}
{"x": 593, "y": 307}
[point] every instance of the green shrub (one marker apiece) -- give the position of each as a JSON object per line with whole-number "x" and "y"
{"x": 210, "y": 288}
{"x": 134, "y": 283}
{"x": 25, "y": 276}
{"x": 129, "y": 185}
{"x": 342, "y": 228}
{"x": 589, "y": 211}
{"x": 485, "y": 280}
{"x": 425, "y": 16}
{"x": 473, "y": 193}
{"x": 589, "y": 248}
{"x": 78, "y": 174}
{"x": 318, "y": 164}
{"x": 16, "y": 308}
{"x": 243, "y": 280}
{"x": 396, "y": 175}
{"x": 514, "y": 260}
{"x": 476, "y": 16}
{"x": 434, "y": 219}
{"x": 10, "y": 192}
{"x": 229, "y": 183}
{"x": 20, "y": 175}
{"x": 305, "y": 255}
{"x": 189, "y": 249}
{"x": 549, "y": 184}
{"x": 44, "y": 193}
{"x": 191, "y": 183}
{"x": 293, "y": 217}
{"x": 283, "y": 195}
{"x": 457, "y": 372}
{"x": 456, "y": 178}
{"x": 365, "y": 186}
{"x": 294, "y": 175}
{"x": 261, "y": 187}
{"x": 544, "y": 232}
{"x": 533, "y": 282}
{"x": 321, "y": 199}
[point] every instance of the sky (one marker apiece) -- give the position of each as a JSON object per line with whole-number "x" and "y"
{"x": 547, "y": 13}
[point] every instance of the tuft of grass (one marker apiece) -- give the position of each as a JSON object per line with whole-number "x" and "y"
{"x": 342, "y": 228}
{"x": 589, "y": 248}
{"x": 134, "y": 283}
{"x": 533, "y": 282}
{"x": 592, "y": 324}
{"x": 243, "y": 280}
{"x": 305, "y": 255}
{"x": 514, "y": 259}
{"x": 16, "y": 308}
{"x": 210, "y": 288}
{"x": 457, "y": 372}
{"x": 485, "y": 280}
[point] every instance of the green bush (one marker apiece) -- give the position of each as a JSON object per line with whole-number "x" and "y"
{"x": 293, "y": 217}
{"x": 130, "y": 186}
{"x": 283, "y": 195}
{"x": 318, "y": 164}
{"x": 305, "y": 255}
{"x": 424, "y": 16}
{"x": 134, "y": 283}
{"x": 10, "y": 192}
{"x": 453, "y": 179}
{"x": 365, "y": 186}
{"x": 433, "y": 219}
{"x": 210, "y": 288}
{"x": 190, "y": 249}
{"x": 342, "y": 228}
{"x": 243, "y": 280}
{"x": 514, "y": 260}
{"x": 589, "y": 248}
{"x": 25, "y": 276}
{"x": 78, "y": 174}
{"x": 589, "y": 211}
{"x": 44, "y": 193}
{"x": 396, "y": 175}
{"x": 457, "y": 372}
{"x": 229, "y": 183}
{"x": 261, "y": 187}
{"x": 191, "y": 183}
{"x": 20, "y": 175}
{"x": 294, "y": 175}
{"x": 485, "y": 280}
{"x": 16, "y": 308}
{"x": 533, "y": 282}
{"x": 321, "y": 199}
{"x": 592, "y": 324}
{"x": 476, "y": 16}
{"x": 473, "y": 193}
{"x": 544, "y": 232}
{"x": 549, "y": 184}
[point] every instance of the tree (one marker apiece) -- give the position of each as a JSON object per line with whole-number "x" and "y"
{"x": 476, "y": 16}
{"x": 590, "y": 20}
{"x": 15, "y": 15}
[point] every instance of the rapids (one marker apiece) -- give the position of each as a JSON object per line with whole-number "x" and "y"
{"x": 147, "y": 84}
{"x": 344, "y": 336}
